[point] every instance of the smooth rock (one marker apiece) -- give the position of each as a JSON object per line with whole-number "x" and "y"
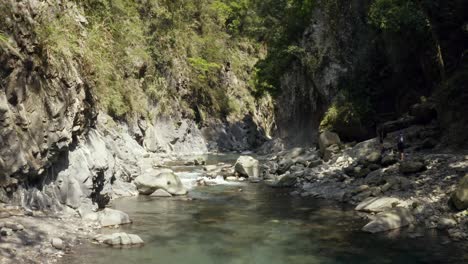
{"x": 247, "y": 166}
{"x": 446, "y": 223}
{"x": 411, "y": 167}
{"x": 459, "y": 197}
{"x": 148, "y": 183}
{"x": 160, "y": 193}
{"x": 119, "y": 239}
{"x": 112, "y": 217}
{"x": 283, "y": 181}
{"x": 374, "y": 177}
{"x": 57, "y": 243}
{"x": 389, "y": 160}
{"x": 374, "y": 157}
{"x": 327, "y": 139}
{"x": 396, "y": 218}
{"x": 378, "y": 204}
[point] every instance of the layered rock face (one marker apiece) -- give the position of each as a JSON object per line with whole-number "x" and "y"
{"x": 45, "y": 102}
{"x": 59, "y": 147}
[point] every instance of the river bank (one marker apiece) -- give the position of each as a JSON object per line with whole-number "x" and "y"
{"x": 388, "y": 192}
{"x": 315, "y": 182}
{"x": 415, "y": 192}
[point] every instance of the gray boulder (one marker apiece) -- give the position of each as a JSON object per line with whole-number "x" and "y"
{"x": 119, "y": 239}
{"x": 389, "y": 160}
{"x": 374, "y": 157}
{"x": 148, "y": 183}
{"x": 459, "y": 198}
{"x": 396, "y": 218}
{"x": 327, "y": 139}
{"x": 283, "y": 181}
{"x": 284, "y": 165}
{"x": 247, "y": 166}
{"x": 111, "y": 217}
{"x": 378, "y": 204}
{"x": 57, "y": 243}
{"x": 409, "y": 166}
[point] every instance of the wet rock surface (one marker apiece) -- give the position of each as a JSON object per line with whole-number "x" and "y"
{"x": 421, "y": 188}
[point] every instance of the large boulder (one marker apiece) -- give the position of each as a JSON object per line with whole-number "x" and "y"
{"x": 378, "y": 204}
{"x": 396, "y": 125}
{"x": 423, "y": 113}
{"x": 389, "y": 160}
{"x": 459, "y": 198}
{"x": 247, "y": 166}
{"x": 396, "y": 218}
{"x": 111, "y": 217}
{"x": 148, "y": 183}
{"x": 374, "y": 157}
{"x": 283, "y": 181}
{"x": 327, "y": 139}
{"x": 410, "y": 166}
{"x": 119, "y": 239}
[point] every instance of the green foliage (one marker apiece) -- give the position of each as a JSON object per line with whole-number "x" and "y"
{"x": 203, "y": 67}
{"x": 398, "y": 16}
{"x": 282, "y": 25}
{"x": 60, "y": 36}
{"x": 340, "y": 114}
{"x": 3, "y": 38}
{"x": 130, "y": 50}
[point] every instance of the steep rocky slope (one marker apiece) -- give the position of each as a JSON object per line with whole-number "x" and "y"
{"x": 361, "y": 63}
{"x": 63, "y": 62}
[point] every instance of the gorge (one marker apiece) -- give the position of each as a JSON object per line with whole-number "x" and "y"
{"x": 105, "y": 100}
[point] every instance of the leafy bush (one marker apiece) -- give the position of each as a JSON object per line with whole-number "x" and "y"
{"x": 398, "y": 16}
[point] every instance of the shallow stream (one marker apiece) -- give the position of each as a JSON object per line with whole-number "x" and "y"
{"x": 252, "y": 223}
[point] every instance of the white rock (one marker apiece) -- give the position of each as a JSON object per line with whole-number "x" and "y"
{"x": 396, "y": 218}
{"x": 111, "y": 217}
{"x": 150, "y": 182}
{"x": 378, "y": 204}
{"x": 161, "y": 193}
{"x": 247, "y": 166}
{"x": 231, "y": 178}
{"x": 119, "y": 239}
{"x": 327, "y": 139}
{"x": 57, "y": 243}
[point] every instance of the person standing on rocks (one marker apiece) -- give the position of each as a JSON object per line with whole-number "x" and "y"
{"x": 401, "y": 145}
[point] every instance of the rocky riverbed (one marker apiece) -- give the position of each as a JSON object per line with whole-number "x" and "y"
{"x": 425, "y": 190}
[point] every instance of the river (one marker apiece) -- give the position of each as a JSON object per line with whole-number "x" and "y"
{"x": 242, "y": 223}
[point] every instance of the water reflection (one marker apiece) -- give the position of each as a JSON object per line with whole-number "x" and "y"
{"x": 258, "y": 225}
